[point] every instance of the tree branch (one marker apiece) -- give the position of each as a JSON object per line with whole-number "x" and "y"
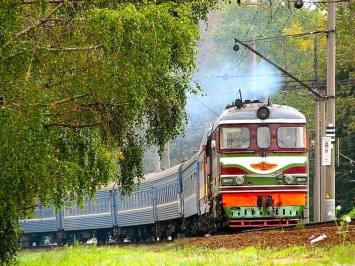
{"x": 70, "y": 49}
{"x": 51, "y": 2}
{"x": 71, "y": 98}
{"x": 60, "y": 124}
{"x": 81, "y": 108}
{"x": 27, "y": 207}
{"x": 30, "y": 28}
{"x": 11, "y": 56}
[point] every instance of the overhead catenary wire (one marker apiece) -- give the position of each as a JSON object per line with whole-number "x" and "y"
{"x": 263, "y": 31}
{"x": 351, "y": 161}
{"x": 327, "y": 2}
{"x": 290, "y": 36}
{"x": 243, "y": 55}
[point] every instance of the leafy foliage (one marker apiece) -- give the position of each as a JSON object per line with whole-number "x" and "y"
{"x": 345, "y": 111}
{"x": 84, "y": 87}
{"x": 9, "y": 233}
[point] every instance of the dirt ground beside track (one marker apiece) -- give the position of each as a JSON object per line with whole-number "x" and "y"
{"x": 275, "y": 238}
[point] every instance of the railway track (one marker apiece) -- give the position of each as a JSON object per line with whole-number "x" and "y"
{"x": 306, "y": 226}
{"x": 229, "y": 233}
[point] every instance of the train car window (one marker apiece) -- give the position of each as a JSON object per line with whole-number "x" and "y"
{"x": 171, "y": 197}
{"x": 263, "y": 137}
{"x": 44, "y": 212}
{"x": 141, "y": 200}
{"x": 235, "y": 138}
{"x": 189, "y": 187}
{"x": 291, "y": 137}
{"x": 127, "y": 202}
{"x": 166, "y": 198}
{"x": 159, "y": 200}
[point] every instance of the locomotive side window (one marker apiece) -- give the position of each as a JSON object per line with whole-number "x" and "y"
{"x": 235, "y": 138}
{"x": 291, "y": 137}
{"x": 263, "y": 137}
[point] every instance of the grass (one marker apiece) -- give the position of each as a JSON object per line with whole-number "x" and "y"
{"x": 174, "y": 255}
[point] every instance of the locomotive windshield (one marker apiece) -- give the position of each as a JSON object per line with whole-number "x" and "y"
{"x": 235, "y": 138}
{"x": 263, "y": 137}
{"x": 291, "y": 137}
{"x": 286, "y": 137}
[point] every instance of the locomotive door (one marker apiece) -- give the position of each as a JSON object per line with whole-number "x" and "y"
{"x": 203, "y": 202}
{"x": 213, "y": 164}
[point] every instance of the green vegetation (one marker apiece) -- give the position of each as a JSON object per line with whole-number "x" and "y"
{"x": 85, "y": 86}
{"x": 174, "y": 255}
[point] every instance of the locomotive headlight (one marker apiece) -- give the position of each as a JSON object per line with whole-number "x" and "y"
{"x": 289, "y": 179}
{"x": 227, "y": 180}
{"x": 263, "y": 113}
{"x": 240, "y": 180}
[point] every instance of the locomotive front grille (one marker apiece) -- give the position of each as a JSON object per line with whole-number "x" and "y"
{"x": 270, "y": 212}
{"x": 264, "y": 202}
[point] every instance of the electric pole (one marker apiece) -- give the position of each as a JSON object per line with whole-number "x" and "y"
{"x": 317, "y": 173}
{"x": 330, "y": 175}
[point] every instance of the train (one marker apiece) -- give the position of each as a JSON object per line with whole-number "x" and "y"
{"x": 251, "y": 171}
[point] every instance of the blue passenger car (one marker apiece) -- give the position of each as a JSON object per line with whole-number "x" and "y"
{"x": 44, "y": 223}
{"x": 167, "y": 190}
{"x": 190, "y": 180}
{"x": 84, "y": 222}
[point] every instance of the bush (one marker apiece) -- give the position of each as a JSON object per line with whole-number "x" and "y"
{"x": 9, "y": 238}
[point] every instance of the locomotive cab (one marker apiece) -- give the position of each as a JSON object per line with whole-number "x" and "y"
{"x": 259, "y": 164}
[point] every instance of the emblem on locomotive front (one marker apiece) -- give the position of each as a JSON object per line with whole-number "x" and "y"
{"x": 263, "y": 166}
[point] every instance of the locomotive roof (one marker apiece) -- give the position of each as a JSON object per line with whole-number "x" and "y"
{"x": 248, "y": 114}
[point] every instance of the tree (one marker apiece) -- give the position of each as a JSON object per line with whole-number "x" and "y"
{"x": 84, "y": 87}
{"x": 345, "y": 110}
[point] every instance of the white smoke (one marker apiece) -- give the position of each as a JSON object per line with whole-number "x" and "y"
{"x": 222, "y": 87}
